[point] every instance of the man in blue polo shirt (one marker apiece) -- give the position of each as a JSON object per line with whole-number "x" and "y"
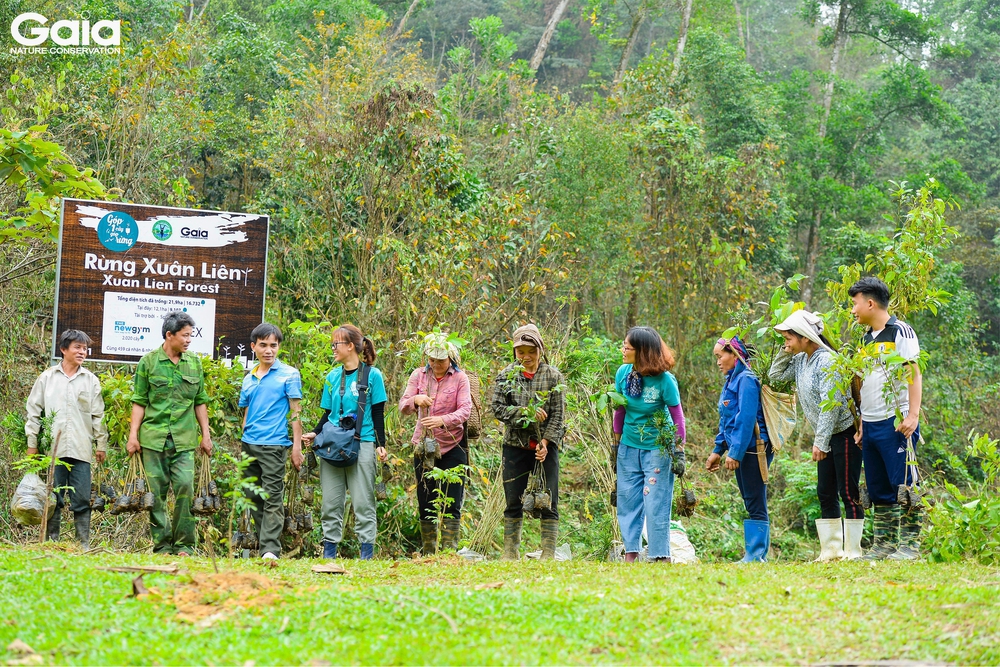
{"x": 270, "y": 396}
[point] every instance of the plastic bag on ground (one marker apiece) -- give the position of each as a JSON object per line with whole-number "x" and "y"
{"x": 28, "y": 503}
{"x": 469, "y": 554}
{"x": 563, "y": 553}
{"x": 681, "y": 549}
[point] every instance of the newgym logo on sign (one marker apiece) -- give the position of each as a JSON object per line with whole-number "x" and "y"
{"x": 33, "y": 33}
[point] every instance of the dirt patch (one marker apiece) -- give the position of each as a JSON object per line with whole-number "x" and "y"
{"x": 208, "y": 598}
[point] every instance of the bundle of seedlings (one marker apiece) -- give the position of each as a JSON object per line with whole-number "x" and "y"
{"x": 136, "y": 496}
{"x": 208, "y": 500}
{"x": 98, "y": 491}
{"x": 686, "y": 501}
{"x": 429, "y": 448}
{"x": 307, "y": 489}
{"x": 298, "y": 517}
{"x": 536, "y": 496}
{"x": 245, "y": 536}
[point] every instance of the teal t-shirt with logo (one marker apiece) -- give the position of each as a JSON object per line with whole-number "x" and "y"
{"x": 658, "y": 392}
{"x": 330, "y": 400}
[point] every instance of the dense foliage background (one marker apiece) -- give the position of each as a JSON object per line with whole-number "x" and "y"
{"x": 448, "y": 163}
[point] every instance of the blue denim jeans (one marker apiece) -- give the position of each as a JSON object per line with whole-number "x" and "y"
{"x": 645, "y": 492}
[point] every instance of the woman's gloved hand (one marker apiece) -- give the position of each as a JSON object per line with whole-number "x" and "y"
{"x": 679, "y": 464}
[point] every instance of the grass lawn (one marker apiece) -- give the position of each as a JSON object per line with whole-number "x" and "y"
{"x": 445, "y": 612}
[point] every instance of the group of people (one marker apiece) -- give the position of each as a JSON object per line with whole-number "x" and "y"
{"x": 170, "y": 422}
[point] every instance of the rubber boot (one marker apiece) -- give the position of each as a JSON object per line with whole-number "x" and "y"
{"x": 550, "y": 532}
{"x": 367, "y": 551}
{"x": 81, "y": 521}
{"x": 909, "y": 536}
{"x": 886, "y": 532}
{"x": 853, "y": 530}
{"x": 831, "y": 539}
{"x": 329, "y": 549}
{"x": 52, "y": 527}
{"x": 757, "y": 538}
{"x": 449, "y": 533}
{"x": 428, "y": 538}
{"x": 512, "y": 538}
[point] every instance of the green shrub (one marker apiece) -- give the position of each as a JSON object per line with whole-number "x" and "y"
{"x": 966, "y": 525}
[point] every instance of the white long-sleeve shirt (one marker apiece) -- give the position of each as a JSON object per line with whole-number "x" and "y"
{"x": 78, "y": 409}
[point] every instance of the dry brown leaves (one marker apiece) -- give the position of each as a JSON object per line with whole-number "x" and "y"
{"x": 209, "y": 598}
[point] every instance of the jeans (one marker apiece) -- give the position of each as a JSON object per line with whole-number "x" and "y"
{"x": 839, "y": 473}
{"x": 427, "y": 488}
{"x": 77, "y": 478}
{"x": 517, "y": 466}
{"x": 751, "y": 484}
{"x": 268, "y": 513}
{"x": 360, "y": 480}
{"x": 645, "y": 494}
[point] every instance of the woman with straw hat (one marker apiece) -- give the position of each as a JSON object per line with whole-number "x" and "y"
{"x": 439, "y": 394}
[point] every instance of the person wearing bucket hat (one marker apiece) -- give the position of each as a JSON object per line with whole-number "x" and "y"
{"x": 528, "y": 399}
{"x": 806, "y": 359}
{"x": 741, "y": 431}
{"x": 439, "y": 393}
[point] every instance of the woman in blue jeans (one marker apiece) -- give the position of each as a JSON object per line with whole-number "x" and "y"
{"x": 646, "y": 468}
{"x": 740, "y": 410}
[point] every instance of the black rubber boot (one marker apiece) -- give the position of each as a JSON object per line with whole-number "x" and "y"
{"x": 82, "y": 522}
{"x": 512, "y": 538}
{"x": 52, "y": 527}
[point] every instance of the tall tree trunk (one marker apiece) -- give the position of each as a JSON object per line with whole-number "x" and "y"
{"x": 812, "y": 248}
{"x": 747, "y": 29}
{"x": 633, "y": 34}
{"x": 739, "y": 23}
{"x": 838, "y": 45}
{"x": 812, "y": 254}
{"x": 402, "y": 21}
{"x": 550, "y": 30}
{"x": 682, "y": 39}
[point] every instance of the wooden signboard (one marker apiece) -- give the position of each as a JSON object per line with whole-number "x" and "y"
{"x": 122, "y": 267}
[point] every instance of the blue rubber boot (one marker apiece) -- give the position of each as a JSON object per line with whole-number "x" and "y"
{"x": 757, "y": 537}
{"x": 367, "y": 551}
{"x": 329, "y": 550}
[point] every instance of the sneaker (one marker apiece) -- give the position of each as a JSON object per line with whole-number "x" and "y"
{"x": 269, "y": 556}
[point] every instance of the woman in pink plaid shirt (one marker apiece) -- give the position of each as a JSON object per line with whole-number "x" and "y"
{"x": 439, "y": 394}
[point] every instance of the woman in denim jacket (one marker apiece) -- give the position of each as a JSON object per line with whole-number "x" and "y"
{"x": 740, "y": 411}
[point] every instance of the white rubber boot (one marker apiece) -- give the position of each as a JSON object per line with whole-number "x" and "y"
{"x": 853, "y": 529}
{"x": 831, "y": 539}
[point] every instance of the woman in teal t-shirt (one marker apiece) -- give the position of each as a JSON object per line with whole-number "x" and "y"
{"x": 350, "y": 349}
{"x": 648, "y": 458}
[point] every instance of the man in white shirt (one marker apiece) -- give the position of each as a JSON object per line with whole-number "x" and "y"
{"x": 71, "y": 395}
{"x": 890, "y": 414}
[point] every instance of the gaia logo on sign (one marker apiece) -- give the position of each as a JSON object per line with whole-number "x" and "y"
{"x": 162, "y": 230}
{"x": 117, "y": 231}
{"x": 70, "y": 36}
